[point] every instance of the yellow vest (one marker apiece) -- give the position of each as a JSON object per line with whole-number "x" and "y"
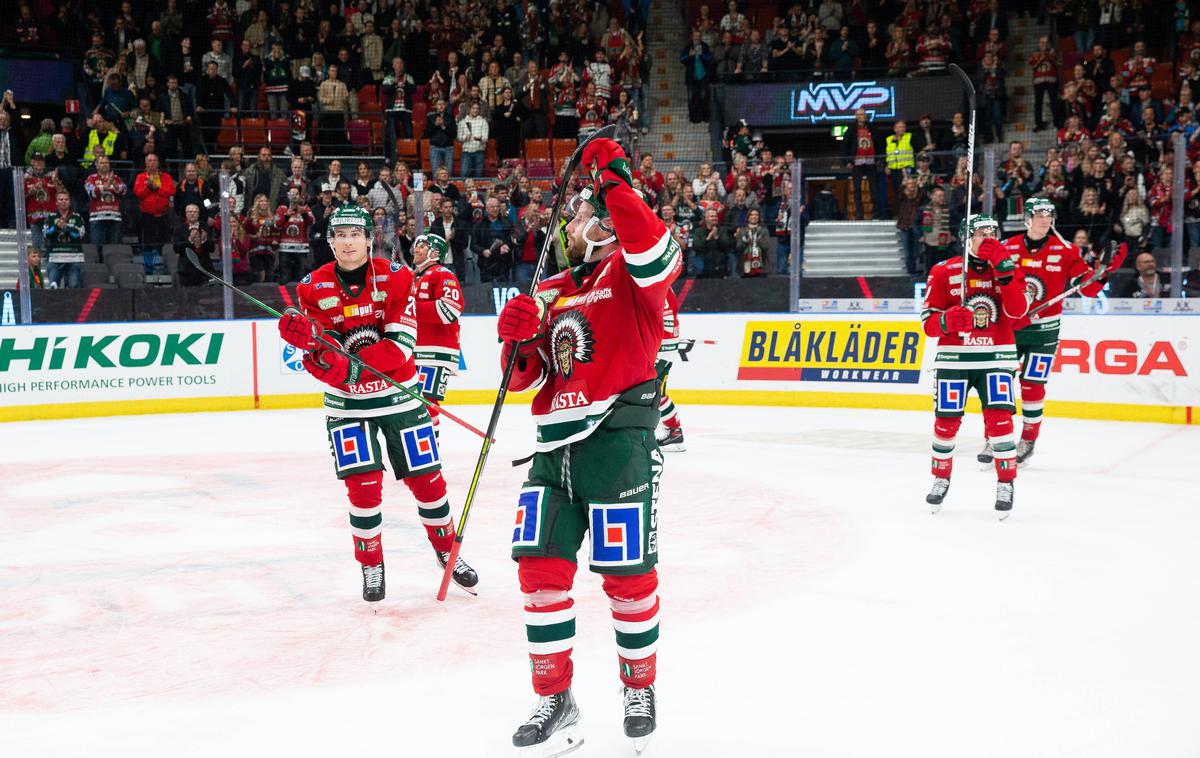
{"x": 89, "y": 153}
{"x": 900, "y": 152}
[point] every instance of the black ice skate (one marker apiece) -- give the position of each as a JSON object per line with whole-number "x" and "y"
{"x": 985, "y": 455}
{"x": 1004, "y": 499}
{"x": 374, "y": 587}
{"x": 936, "y": 495}
{"x": 463, "y": 575}
{"x": 640, "y": 717}
{"x": 672, "y": 441}
{"x": 552, "y": 729}
{"x": 1024, "y": 451}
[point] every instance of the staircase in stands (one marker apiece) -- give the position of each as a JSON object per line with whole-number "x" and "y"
{"x": 672, "y": 137}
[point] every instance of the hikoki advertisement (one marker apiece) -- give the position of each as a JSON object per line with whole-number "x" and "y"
{"x": 1130, "y": 367}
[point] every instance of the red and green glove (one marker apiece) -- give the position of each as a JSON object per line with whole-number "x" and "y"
{"x": 521, "y": 319}
{"x": 611, "y": 165}
{"x": 957, "y": 319}
{"x": 994, "y": 254}
{"x": 297, "y": 330}
{"x": 332, "y": 367}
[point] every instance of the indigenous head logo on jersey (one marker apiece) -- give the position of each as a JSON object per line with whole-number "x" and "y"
{"x": 984, "y": 310}
{"x": 571, "y": 341}
{"x": 1035, "y": 288}
{"x": 360, "y": 337}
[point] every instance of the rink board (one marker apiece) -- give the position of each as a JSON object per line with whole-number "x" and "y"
{"x": 1140, "y": 367}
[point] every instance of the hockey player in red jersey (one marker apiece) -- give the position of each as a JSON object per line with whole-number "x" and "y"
{"x": 588, "y": 341}
{"x": 367, "y": 306}
{"x": 672, "y": 439}
{"x": 975, "y": 351}
{"x": 1050, "y": 267}
{"x": 439, "y": 304}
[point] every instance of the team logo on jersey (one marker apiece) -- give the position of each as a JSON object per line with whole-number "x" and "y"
{"x": 1000, "y": 389}
{"x": 527, "y": 532}
{"x": 1037, "y": 366}
{"x": 616, "y": 533}
{"x": 571, "y": 342}
{"x": 308, "y": 278}
{"x": 1035, "y": 288}
{"x": 984, "y": 310}
{"x": 420, "y": 447}
{"x": 951, "y": 395}
{"x": 360, "y": 337}
{"x": 358, "y": 311}
{"x": 351, "y": 448}
{"x": 395, "y": 266}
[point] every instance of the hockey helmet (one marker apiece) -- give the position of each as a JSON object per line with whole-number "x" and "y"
{"x": 978, "y": 221}
{"x": 436, "y": 243}
{"x": 352, "y": 215}
{"x": 1035, "y": 205}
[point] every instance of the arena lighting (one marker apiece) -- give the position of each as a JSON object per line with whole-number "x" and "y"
{"x": 839, "y": 131}
{"x": 25, "y": 113}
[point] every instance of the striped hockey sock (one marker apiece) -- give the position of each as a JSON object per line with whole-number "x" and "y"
{"x": 944, "y": 432}
{"x": 1033, "y": 397}
{"x": 636, "y": 626}
{"x": 366, "y": 516}
{"x": 433, "y": 508}
{"x": 668, "y": 414}
{"x": 550, "y": 630}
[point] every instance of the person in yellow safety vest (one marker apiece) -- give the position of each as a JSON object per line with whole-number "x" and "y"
{"x": 898, "y": 152}
{"x": 104, "y": 137}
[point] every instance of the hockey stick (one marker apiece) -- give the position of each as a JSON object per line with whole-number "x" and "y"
{"x": 191, "y": 256}
{"x": 970, "y": 89}
{"x": 510, "y": 364}
{"x": 1100, "y": 270}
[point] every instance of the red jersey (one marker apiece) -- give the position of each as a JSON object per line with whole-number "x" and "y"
{"x": 39, "y": 197}
{"x": 439, "y": 304}
{"x": 104, "y": 196}
{"x": 293, "y": 228}
{"x": 996, "y": 308}
{"x": 377, "y": 322}
{"x": 1049, "y": 271}
{"x": 262, "y": 234}
{"x": 604, "y": 326}
{"x": 670, "y": 326}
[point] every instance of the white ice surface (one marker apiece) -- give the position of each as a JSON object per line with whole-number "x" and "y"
{"x": 184, "y": 586}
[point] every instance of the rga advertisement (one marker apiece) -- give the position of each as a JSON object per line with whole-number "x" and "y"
{"x": 1135, "y": 367}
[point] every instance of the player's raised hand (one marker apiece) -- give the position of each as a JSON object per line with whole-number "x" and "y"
{"x": 610, "y": 162}
{"x": 996, "y": 256}
{"x": 297, "y": 330}
{"x": 521, "y": 319}
{"x": 1118, "y": 259}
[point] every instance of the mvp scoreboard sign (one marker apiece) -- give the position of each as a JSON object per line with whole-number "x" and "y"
{"x": 797, "y": 104}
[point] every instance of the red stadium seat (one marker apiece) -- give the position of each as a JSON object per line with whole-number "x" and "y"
{"x": 359, "y": 131}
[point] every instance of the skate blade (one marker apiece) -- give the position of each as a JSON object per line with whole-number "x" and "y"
{"x": 566, "y": 740}
{"x": 678, "y": 447}
{"x": 935, "y": 507}
{"x": 640, "y": 744}
{"x": 1004, "y": 515}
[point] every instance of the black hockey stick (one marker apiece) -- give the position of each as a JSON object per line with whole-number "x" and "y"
{"x": 191, "y": 256}
{"x": 572, "y": 164}
{"x": 969, "y": 87}
{"x": 1098, "y": 273}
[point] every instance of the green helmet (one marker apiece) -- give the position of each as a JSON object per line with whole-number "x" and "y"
{"x": 352, "y": 215}
{"x": 978, "y": 221}
{"x": 1036, "y": 205}
{"x": 435, "y": 242}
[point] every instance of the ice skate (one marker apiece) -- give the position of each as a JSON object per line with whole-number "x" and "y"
{"x": 1004, "y": 499}
{"x": 640, "y": 718}
{"x": 374, "y": 586}
{"x": 1024, "y": 451}
{"x": 672, "y": 441}
{"x": 937, "y": 494}
{"x": 463, "y": 575}
{"x": 552, "y": 729}
{"x": 985, "y": 455}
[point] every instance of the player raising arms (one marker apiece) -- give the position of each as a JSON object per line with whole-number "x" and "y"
{"x": 367, "y": 306}
{"x": 439, "y": 304}
{"x": 975, "y": 351}
{"x": 589, "y": 339}
{"x": 1051, "y": 266}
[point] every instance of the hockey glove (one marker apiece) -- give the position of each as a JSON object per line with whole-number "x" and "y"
{"x": 521, "y": 319}
{"x": 1117, "y": 260}
{"x": 297, "y": 330}
{"x": 957, "y": 319}
{"x": 332, "y": 367}
{"x": 994, "y": 254}
{"x": 612, "y": 166}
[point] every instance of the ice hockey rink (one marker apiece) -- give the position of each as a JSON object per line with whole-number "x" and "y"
{"x": 184, "y": 585}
